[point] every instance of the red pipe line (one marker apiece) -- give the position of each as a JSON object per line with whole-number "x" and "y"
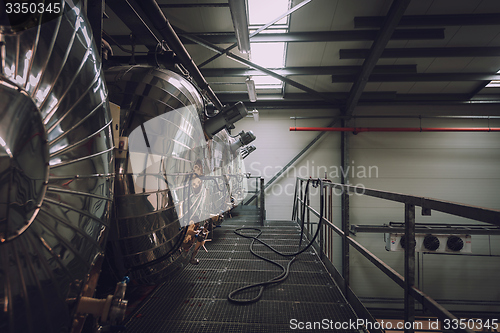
{"x": 397, "y": 129}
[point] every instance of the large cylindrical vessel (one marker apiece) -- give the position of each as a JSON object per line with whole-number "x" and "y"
{"x": 56, "y": 172}
{"x": 170, "y": 177}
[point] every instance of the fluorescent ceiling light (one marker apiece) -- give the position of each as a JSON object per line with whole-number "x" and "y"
{"x": 239, "y": 16}
{"x": 252, "y": 94}
{"x": 263, "y": 11}
{"x": 255, "y": 115}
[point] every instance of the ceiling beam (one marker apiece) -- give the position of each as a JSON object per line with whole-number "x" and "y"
{"x": 304, "y": 101}
{"x": 432, "y": 52}
{"x": 430, "y": 20}
{"x": 317, "y": 70}
{"x": 131, "y": 18}
{"x": 264, "y": 70}
{"x": 394, "y": 15}
{"x": 420, "y": 77}
{"x": 480, "y": 86}
{"x": 326, "y": 36}
{"x": 145, "y": 16}
{"x": 193, "y": 5}
{"x": 258, "y": 31}
{"x": 316, "y": 36}
{"x": 301, "y": 97}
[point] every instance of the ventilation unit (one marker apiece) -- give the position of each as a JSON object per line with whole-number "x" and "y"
{"x": 431, "y": 243}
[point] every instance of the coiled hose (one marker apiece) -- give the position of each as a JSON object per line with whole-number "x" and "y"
{"x": 285, "y": 271}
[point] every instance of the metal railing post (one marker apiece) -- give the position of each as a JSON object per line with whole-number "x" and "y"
{"x": 308, "y": 218}
{"x": 294, "y": 208}
{"x": 409, "y": 301}
{"x": 321, "y": 233}
{"x": 262, "y": 202}
{"x": 257, "y": 190}
{"x": 301, "y": 207}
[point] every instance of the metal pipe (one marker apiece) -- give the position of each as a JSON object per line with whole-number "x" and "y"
{"x": 396, "y": 129}
{"x": 395, "y": 117}
{"x": 162, "y": 24}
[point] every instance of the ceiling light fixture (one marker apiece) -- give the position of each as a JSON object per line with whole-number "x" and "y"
{"x": 252, "y": 94}
{"x": 255, "y": 114}
{"x": 239, "y": 16}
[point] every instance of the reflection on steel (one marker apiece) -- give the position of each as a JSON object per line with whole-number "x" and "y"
{"x": 172, "y": 184}
{"x": 55, "y": 173}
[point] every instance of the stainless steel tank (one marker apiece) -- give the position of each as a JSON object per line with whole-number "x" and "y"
{"x": 171, "y": 179}
{"x": 56, "y": 172}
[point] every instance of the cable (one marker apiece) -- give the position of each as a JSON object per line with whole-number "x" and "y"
{"x": 285, "y": 271}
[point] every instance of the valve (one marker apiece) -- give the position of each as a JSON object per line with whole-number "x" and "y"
{"x": 110, "y": 310}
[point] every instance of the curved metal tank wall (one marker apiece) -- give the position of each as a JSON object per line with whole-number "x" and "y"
{"x": 56, "y": 174}
{"x": 169, "y": 178}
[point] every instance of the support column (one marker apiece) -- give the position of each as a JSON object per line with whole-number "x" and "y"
{"x": 344, "y": 158}
{"x": 409, "y": 301}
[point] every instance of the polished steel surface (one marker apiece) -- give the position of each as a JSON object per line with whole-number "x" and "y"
{"x": 24, "y": 159}
{"x": 172, "y": 181}
{"x": 56, "y": 172}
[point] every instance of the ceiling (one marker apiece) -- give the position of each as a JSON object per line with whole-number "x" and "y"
{"x": 339, "y": 53}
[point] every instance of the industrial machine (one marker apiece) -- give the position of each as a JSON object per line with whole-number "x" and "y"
{"x": 171, "y": 175}
{"x": 79, "y": 188}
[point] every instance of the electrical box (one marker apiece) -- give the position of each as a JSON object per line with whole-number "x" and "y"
{"x": 431, "y": 243}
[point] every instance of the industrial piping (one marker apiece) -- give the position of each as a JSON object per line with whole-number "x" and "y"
{"x": 396, "y": 129}
{"x": 162, "y": 24}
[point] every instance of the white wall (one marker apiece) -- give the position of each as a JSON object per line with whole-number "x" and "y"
{"x": 276, "y": 146}
{"x": 459, "y": 167}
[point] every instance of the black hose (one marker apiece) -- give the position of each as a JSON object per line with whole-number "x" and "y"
{"x": 285, "y": 271}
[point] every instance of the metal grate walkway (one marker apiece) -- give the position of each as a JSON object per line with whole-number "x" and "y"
{"x": 196, "y": 299}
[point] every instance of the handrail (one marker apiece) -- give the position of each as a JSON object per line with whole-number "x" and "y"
{"x": 260, "y": 195}
{"x": 481, "y": 214}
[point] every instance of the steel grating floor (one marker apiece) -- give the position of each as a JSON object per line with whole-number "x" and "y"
{"x": 196, "y": 299}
